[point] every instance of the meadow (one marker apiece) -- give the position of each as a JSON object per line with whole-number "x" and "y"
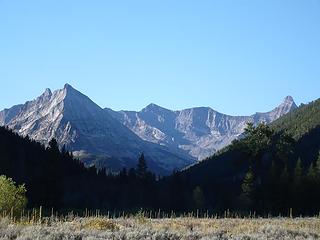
{"x": 139, "y": 226}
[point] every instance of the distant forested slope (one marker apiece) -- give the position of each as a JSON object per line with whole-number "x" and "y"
{"x": 55, "y": 179}
{"x": 300, "y": 121}
{"x": 272, "y": 169}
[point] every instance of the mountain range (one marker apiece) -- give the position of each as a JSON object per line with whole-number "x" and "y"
{"x": 199, "y": 131}
{"x": 170, "y": 140}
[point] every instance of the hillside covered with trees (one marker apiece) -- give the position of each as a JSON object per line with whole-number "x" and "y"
{"x": 300, "y": 121}
{"x": 272, "y": 169}
{"x": 266, "y": 172}
{"x": 55, "y": 179}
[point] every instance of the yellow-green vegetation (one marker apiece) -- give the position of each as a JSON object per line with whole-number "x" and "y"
{"x": 12, "y": 197}
{"x": 101, "y": 227}
{"x": 102, "y": 224}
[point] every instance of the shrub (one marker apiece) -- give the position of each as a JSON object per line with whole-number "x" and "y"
{"x": 12, "y": 197}
{"x": 101, "y": 224}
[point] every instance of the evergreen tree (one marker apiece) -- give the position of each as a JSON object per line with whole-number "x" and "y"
{"x": 298, "y": 173}
{"x": 52, "y": 176}
{"x": 249, "y": 130}
{"x": 272, "y": 187}
{"x": 198, "y": 198}
{"x": 312, "y": 173}
{"x": 142, "y": 169}
{"x": 248, "y": 184}
{"x": 284, "y": 190}
{"x": 284, "y": 177}
{"x": 298, "y": 185}
{"x": 53, "y": 146}
{"x": 317, "y": 167}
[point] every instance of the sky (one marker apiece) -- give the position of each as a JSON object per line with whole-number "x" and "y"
{"x": 238, "y": 57}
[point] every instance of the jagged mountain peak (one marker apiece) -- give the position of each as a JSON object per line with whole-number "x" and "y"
{"x": 286, "y": 106}
{"x": 58, "y": 95}
{"x": 288, "y": 99}
{"x": 45, "y": 95}
{"x": 47, "y": 92}
{"x": 154, "y": 108}
{"x": 69, "y": 99}
{"x": 68, "y": 86}
{"x": 69, "y": 90}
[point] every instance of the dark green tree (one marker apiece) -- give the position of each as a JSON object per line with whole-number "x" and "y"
{"x": 248, "y": 184}
{"x": 298, "y": 173}
{"x": 198, "y": 198}
{"x": 142, "y": 168}
{"x": 284, "y": 190}
{"x": 52, "y": 176}
{"x": 53, "y": 146}
{"x": 317, "y": 167}
{"x": 297, "y": 187}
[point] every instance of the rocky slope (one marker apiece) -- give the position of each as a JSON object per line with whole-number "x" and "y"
{"x": 198, "y": 131}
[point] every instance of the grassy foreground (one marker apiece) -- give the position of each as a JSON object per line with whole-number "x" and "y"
{"x": 169, "y": 228}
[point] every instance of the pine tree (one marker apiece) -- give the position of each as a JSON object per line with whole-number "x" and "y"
{"x": 284, "y": 177}
{"x": 272, "y": 188}
{"x": 249, "y": 129}
{"x": 248, "y": 184}
{"x": 142, "y": 169}
{"x": 311, "y": 174}
{"x": 198, "y": 198}
{"x": 284, "y": 190}
{"x": 317, "y": 183}
{"x": 298, "y": 173}
{"x": 52, "y": 175}
{"x": 298, "y": 185}
{"x": 317, "y": 167}
{"x": 53, "y": 146}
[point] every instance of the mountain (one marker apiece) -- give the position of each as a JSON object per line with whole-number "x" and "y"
{"x": 198, "y": 131}
{"x": 90, "y": 132}
{"x": 7, "y": 114}
{"x": 274, "y": 154}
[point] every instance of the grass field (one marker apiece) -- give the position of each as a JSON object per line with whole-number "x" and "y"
{"x": 138, "y": 227}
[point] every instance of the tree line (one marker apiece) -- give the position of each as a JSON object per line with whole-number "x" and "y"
{"x": 266, "y": 171}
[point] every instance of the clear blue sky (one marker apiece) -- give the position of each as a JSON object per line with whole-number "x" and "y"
{"x": 237, "y": 57}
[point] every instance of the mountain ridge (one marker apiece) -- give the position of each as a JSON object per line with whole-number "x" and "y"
{"x": 200, "y": 131}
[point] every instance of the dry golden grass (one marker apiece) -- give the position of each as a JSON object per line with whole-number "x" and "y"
{"x": 101, "y": 224}
{"x": 140, "y": 227}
